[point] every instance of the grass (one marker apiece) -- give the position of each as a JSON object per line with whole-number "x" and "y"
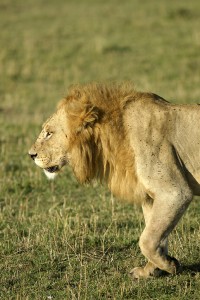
{"x": 59, "y": 240}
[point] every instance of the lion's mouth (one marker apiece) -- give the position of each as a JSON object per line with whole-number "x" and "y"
{"x": 52, "y": 169}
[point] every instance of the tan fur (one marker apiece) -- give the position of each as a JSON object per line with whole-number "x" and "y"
{"x": 133, "y": 142}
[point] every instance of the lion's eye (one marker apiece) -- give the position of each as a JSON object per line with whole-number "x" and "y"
{"x": 48, "y": 135}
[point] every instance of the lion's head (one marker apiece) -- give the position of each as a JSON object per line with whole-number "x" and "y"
{"x": 68, "y": 137}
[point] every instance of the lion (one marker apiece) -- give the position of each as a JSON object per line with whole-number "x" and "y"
{"x": 144, "y": 148}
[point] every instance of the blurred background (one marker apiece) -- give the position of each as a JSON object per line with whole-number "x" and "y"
{"x": 48, "y": 45}
{"x": 45, "y": 46}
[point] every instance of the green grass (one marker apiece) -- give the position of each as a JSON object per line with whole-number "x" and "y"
{"x": 59, "y": 240}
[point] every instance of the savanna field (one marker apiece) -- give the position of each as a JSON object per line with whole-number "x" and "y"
{"x": 60, "y": 240}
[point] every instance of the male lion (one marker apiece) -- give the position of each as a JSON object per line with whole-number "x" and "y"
{"x": 146, "y": 150}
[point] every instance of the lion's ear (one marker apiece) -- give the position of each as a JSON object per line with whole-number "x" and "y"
{"x": 88, "y": 116}
{"x": 83, "y": 115}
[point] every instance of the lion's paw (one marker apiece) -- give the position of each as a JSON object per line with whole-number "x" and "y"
{"x": 138, "y": 273}
{"x": 145, "y": 272}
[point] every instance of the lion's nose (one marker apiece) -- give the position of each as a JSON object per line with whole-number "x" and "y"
{"x": 33, "y": 155}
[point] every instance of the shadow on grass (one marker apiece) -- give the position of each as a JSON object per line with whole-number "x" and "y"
{"x": 194, "y": 268}
{"x": 188, "y": 269}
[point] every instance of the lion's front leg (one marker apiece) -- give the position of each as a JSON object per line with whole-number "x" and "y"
{"x": 149, "y": 269}
{"x": 164, "y": 216}
{"x": 162, "y": 177}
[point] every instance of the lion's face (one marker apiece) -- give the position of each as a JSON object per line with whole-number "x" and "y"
{"x": 66, "y": 137}
{"x": 50, "y": 149}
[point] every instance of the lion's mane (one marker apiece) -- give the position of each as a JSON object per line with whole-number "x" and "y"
{"x": 99, "y": 146}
